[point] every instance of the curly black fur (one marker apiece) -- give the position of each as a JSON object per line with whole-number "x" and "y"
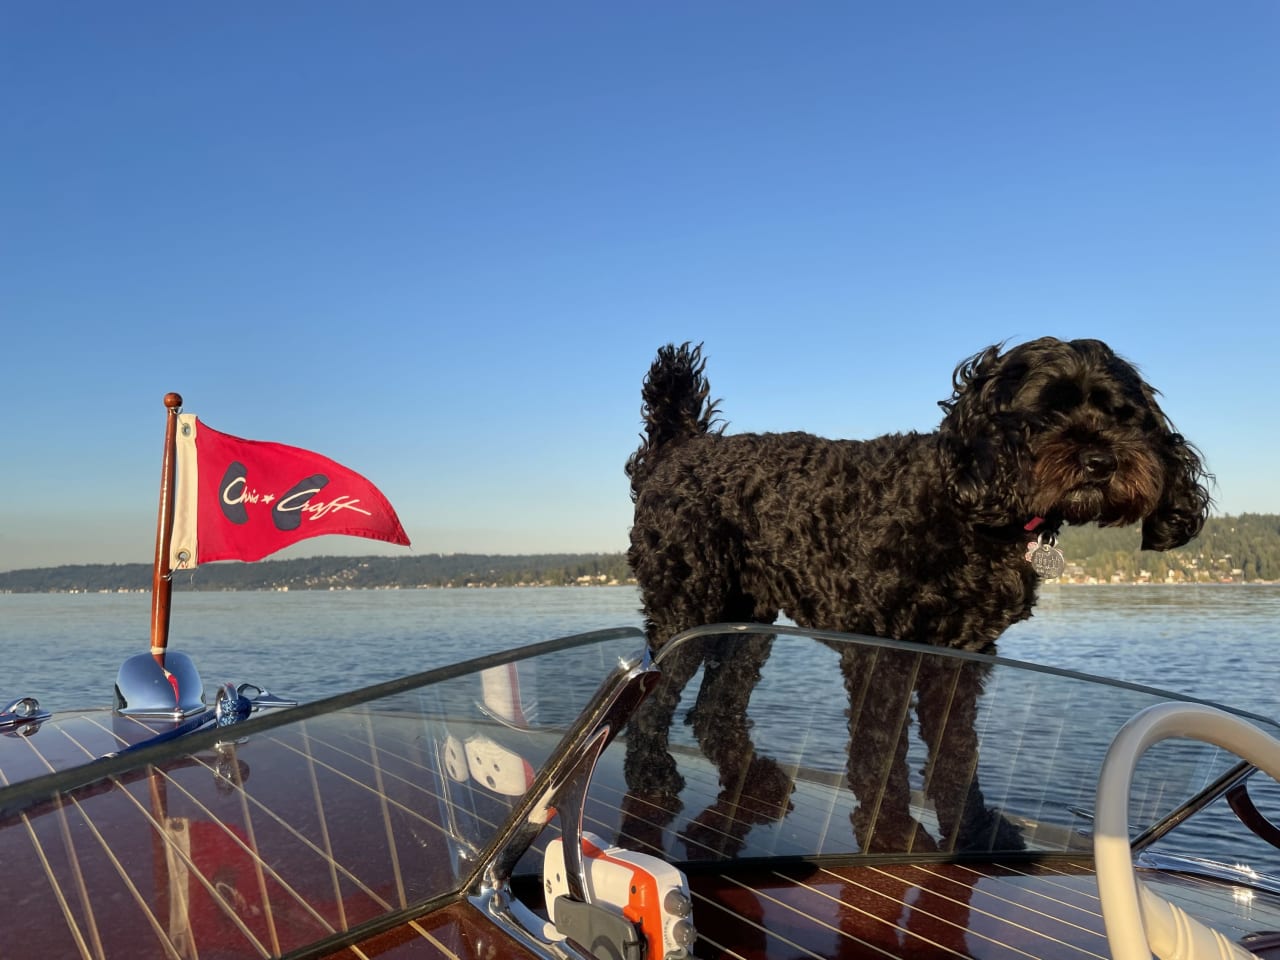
{"x": 914, "y": 536}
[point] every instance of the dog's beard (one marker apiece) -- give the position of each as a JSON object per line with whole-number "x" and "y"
{"x": 1061, "y": 485}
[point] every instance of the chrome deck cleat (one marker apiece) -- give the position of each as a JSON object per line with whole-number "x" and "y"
{"x": 261, "y": 698}
{"x": 234, "y": 704}
{"x": 22, "y": 710}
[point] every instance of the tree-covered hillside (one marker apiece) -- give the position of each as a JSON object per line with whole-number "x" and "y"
{"x": 1243, "y": 549}
{"x": 1240, "y": 549}
{"x": 328, "y": 573}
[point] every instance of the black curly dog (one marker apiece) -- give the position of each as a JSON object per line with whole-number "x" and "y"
{"x": 914, "y": 536}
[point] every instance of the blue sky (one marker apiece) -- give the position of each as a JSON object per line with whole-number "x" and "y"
{"x": 441, "y": 242}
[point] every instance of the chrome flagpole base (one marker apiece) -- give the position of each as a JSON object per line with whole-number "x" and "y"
{"x": 142, "y": 689}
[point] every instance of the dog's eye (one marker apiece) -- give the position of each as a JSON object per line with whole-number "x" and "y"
{"x": 1062, "y": 396}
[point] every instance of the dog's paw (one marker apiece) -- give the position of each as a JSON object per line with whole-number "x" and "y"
{"x": 762, "y": 790}
{"x": 653, "y": 773}
{"x": 891, "y": 834}
{"x": 717, "y": 833}
{"x": 645, "y": 818}
{"x": 986, "y": 830}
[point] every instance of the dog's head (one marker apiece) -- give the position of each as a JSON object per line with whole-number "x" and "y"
{"x": 1070, "y": 432}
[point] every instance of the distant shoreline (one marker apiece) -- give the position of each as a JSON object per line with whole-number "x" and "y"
{"x": 1229, "y": 550}
{"x": 584, "y": 586}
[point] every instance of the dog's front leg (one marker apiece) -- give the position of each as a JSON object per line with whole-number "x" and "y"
{"x": 720, "y": 724}
{"x": 947, "y": 708}
{"x": 879, "y": 684}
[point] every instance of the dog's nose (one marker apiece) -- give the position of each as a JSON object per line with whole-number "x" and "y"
{"x": 1098, "y": 464}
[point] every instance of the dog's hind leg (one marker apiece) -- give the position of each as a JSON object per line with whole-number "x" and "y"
{"x": 718, "y": 716}
{"x": 649, "y": 768}
{"x": 753, "y": 783}
{"x": 673, "y": 602}
{"x": 654, "y": 782}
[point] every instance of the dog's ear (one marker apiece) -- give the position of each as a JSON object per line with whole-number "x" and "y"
{"x": 1184, "y": 504}
{"x": 1184, "y": 500}
{"x": 982, "y": 441}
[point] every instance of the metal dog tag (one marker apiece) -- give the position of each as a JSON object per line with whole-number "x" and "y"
{"x": 1048, "y": 561}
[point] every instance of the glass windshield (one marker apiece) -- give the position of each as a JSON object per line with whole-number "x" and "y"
{"x": 762, "y": 743}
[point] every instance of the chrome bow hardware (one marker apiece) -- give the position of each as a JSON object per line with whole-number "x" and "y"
{"x": 229, "y": 707}
{"x": 145, "y": 689}
{"x": 261, "y": 698}
{"x": 21, "y": 711}
{"x": 234, "y": 704}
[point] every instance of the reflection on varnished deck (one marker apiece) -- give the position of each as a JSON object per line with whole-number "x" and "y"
{"x": 926, "y": 910}
{"x": 457, "y": 932}
{"x": 255, "y": 849}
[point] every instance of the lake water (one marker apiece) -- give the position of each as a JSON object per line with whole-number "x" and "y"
{"x": 1215, "y": 642}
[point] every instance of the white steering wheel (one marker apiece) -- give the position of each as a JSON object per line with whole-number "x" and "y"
{"x": 1139, "y": 922}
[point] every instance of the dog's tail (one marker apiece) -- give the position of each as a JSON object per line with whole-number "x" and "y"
{"x": 674, "y": 406}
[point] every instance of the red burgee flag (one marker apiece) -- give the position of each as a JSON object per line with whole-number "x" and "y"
{"x": 243, "y": 499}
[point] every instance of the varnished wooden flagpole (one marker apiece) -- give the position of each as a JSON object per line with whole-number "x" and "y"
{"x": 161, "y": 584}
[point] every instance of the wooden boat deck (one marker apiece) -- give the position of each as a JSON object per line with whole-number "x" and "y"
{"x": 1047, "y": 910}
{"x": 281, "y": 843}
{"x": 909, "y": 911}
